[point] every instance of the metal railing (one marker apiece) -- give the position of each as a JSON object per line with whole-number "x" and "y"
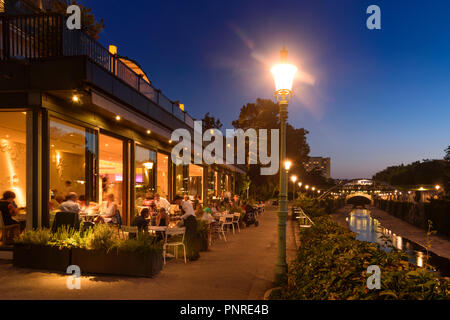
{"x": 45, "y": 35}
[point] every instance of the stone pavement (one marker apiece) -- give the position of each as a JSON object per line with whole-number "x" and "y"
{"x": 241, "y": 268}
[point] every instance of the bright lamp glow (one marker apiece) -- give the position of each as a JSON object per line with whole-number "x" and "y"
{"x": 294, "y": 178}
{"x": 300, "y": 184}
{"x": 284, "y": 76}
{"x": 287, "y": 164}
{"x": 148, "y": 165}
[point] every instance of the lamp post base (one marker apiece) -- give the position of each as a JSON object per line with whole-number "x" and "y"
{"x": 281, "y": 266}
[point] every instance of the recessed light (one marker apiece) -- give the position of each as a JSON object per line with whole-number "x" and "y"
{"x": 170, "y": 141}
{"x": 149, "y": 131}
{"x": 75, "y": 98}
{"x": 118, "y": 118}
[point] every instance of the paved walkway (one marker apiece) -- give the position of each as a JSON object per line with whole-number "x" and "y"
{"x": 440, "y": 245}
{"x": 241, "y": 268}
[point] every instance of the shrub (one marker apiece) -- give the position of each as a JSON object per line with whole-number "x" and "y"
{"x": 40, "y": 237}
{"x": 331, "y": 264}
{"x": 101, "y": 238}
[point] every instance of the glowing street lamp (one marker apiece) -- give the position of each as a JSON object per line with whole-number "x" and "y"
{"x": 293, "y": 179}
{"x": 437, "y": 187}
{"x": 283, "y": 74}
{"x": 287, "y": 165}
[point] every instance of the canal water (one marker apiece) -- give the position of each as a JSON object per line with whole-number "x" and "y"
{"x": 370, "y": 229}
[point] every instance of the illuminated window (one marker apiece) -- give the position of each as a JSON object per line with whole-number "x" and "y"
{"x": 111, "y": 169}
{"x": 145, "y": 173}
{"x": 13, "y": 155}
{"x": 195, "y": 180}
{"x": 72, "y": 158}
{"x": 162, "y": 178}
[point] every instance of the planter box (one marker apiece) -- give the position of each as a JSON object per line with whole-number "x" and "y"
{"x": 117, "y": 263}
{"x": 41, "y": 257}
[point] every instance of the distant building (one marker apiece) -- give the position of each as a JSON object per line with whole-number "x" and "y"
{"x": 319, "y": 163}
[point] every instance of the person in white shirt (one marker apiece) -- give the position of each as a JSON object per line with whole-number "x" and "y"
{"x": 161, "y": 202}
{"x": 70, "y": 205}
{"x": 188, "y": 209}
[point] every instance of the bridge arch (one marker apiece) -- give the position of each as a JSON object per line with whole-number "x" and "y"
{"x": 355, "y": 198}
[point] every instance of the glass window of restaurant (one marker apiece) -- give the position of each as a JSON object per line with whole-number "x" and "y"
{"x": 145, "y": 174}
{"x": 111, "y": 170}
{"x": 195, "y": 181}
{"x": 162, "y": 178}
{"x": 181, "y": 177}
{"x": 72, "y": 162}
{"x": 211, "y": 184}
{"x": 13, "y": 155}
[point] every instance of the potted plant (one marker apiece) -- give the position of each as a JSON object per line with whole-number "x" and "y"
{"x": 39, "y": 250}
{"x": 104, "y": 253}
{"x": 203, "y": 233}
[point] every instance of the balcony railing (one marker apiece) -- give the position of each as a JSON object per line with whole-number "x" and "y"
{"x": 46, "y": 35}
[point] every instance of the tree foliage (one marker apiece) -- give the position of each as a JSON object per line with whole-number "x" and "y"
{"x": 89, "y": 23}
{"x": 210, "y": 122}
{"x": 447, "y": 154}
{"x": 416, "y": 173}
{"x": 264, "y": 114}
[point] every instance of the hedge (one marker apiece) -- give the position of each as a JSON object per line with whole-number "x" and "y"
{"x": 332, "y": 265}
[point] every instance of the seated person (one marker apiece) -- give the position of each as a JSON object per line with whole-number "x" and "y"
{"x": 162, "y": 219}
{"x": 207, "y": 215}
{"x": 140, "y": 221}
{"x": 161, "y": 202}
{"x": 108, "y": 211}
{"x": 148, "y": 199}
{"x": 8, "y": 209}
{"x": 71, "y": 204}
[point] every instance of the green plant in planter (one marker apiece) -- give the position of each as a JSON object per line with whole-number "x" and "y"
{"x": 102, "y": 237}
{"x": 143, "y": 245}
{"x": 40, "y": 237}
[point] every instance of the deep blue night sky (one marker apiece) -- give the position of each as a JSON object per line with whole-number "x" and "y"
{"x": 369, "y": 98}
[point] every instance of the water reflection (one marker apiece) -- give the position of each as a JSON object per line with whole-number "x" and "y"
{"x": 370, "y": 230}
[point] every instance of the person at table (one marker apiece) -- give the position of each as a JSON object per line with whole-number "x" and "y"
{"x": 8, "y": 209}
{"x": 148, "y": 199}
{"x": 207, "y": 215}
{"x": 162, "y": 219}
{"x": 71, "y": 204}
{"x": 161, "y": 202}
{"x": 141, "y": 221}
{"x": 108, "y": 211}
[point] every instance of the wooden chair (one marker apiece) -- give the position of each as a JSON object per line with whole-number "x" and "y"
{"x": 6, "y": 230}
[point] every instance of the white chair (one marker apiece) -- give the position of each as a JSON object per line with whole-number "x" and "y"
{"x": 127, "y": 230}
{"x": 228, "y": 222}
{"x": 217, "y": 228}
{"x": 175, "y": 241}
{"x": 235, "y": 221}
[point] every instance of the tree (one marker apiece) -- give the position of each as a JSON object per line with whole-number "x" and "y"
{"x": 209, "y": 122}
{"x": 88, "y": 22}
{"x": 264, "y": 114}
{"x": 447, "y": 154}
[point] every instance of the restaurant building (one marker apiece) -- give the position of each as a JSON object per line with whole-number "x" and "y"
{"x": 75, "y": 116}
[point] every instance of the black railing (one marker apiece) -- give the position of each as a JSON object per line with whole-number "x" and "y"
{"x": 46, "y": 36}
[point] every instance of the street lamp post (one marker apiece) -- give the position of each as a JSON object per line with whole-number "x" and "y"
{"x": 294, "y": 179}
{"x": 284, "y": 76}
